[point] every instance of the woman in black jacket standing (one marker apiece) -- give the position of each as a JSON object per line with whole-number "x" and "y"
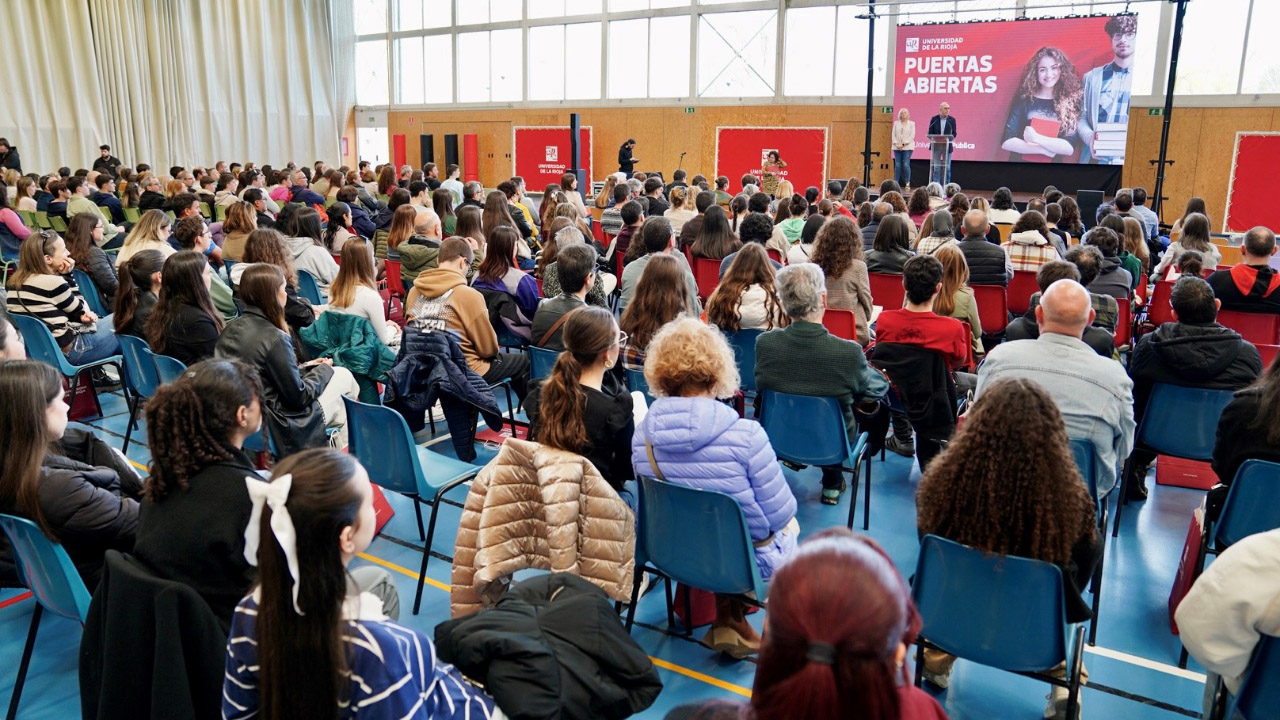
{"x": 195, "y": 506}
{"x": 65, "y": 480}
{"x": 298, "y": 401}
{"x": 184, "y": 324}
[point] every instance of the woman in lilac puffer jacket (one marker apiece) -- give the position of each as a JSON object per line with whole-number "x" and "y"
{"x": 700, "y": 442}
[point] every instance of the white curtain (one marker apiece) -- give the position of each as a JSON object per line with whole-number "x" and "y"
{"x": 343, "y": 41}
{"x": 189, "y": 83}
{"x": 50, "y": 109}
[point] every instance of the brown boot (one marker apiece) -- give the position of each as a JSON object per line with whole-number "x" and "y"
{"x": 730, "y": 633}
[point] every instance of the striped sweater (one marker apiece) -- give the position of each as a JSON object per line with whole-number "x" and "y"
{"x": 394, "y": 671}
{"x": 54, "y": 300}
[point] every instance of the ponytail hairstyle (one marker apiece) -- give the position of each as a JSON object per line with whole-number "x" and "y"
{"x": 181, "y": 283}
{"x": 339, "y": 219}
{"x": 135, "y": 278}
{"x": 1191, "y": 262}
{"x": 190, "y": 421}
{"x": 588, "y": 332}
{"x": 302, "y": 658}
{"x": 737, "y": 208}
{"x": 259, "y": 288}
{"x": 831, "y": 653}
{"x": 28, "y": 387}
{"x": 678, "y": 196}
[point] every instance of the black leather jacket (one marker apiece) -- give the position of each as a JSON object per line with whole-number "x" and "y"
{"x": 291, "y": 395}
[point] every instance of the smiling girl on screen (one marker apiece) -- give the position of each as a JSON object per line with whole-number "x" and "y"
{"x": 1046, "y": 111}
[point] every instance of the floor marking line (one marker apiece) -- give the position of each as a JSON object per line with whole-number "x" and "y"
{"x": 15, "y": 600}
{"x": 1145, "y": 663}
{"x": 404, "y": 571}
{"x": 1142, "y": 699}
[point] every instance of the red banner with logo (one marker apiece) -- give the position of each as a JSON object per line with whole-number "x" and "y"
{"x": 1026, "y": 91}
{"x": 1251, "y": 194}
{"x": 542, "y": 154}
{"x": 741, "y": 150}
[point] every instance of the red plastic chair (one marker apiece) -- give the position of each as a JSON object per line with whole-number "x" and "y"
{"x": 1021, "y": 288}
{"x": 706, "y": 273}
{"x": 394, "y": 282}
{"x": 1124, "y": 322}
{"x": 1159, "y": 311}
{"x": 993, "y": 308}
{"x": 1257, "y": 328}
{"x": 841, "y": 323}
{"x": 1268, "y": 353}
{"x": 887, "y": 290}
{"x": 775, "y": 256}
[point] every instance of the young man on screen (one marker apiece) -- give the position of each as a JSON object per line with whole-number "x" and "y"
{"x": 1105, "y": 118}
{"x": 944, "y": 124}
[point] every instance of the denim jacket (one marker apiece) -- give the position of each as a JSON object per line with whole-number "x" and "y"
{"x": 1093, "y": 393}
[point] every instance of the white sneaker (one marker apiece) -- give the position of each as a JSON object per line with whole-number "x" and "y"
{"x": 1057, "y": 707}
{"x": 939, "y": 680}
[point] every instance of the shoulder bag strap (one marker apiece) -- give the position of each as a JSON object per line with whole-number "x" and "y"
{"x": 653, "y": 461}
{"x": 554, "y": 327}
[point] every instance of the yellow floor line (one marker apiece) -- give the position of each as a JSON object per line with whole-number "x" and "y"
{"x": 665, "y": 665}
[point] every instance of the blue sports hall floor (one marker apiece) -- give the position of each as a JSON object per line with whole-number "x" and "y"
{"x": 1133, "y": 671}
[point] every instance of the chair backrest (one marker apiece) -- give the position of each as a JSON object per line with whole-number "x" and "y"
{"x": 1268, "y": 353}
{"x": 706, "y": 273}
{"x": 993, "y": 308}
{"x": 887, "y": 290}
{"x": 697, "y": 537}
{"x": 1259, "y": 693}
{"x": 841, "y": 323}
{"x": 1021, "y": 287}
{"x": 541, "y": 360}
{"x": 1005, "y": 229}
{"x": 395, "y": 283}
{"x": 1082, "y": 452}
{"x": 1254, "y": 327}
{"x": 380, "y": 439}
{"x": 637, "y": 383}
{"x": 1124, "y": 322}
{"x": 90, "y": 292}
{"x": 805, "y": 429}
{"x": 1250, "y": 507}
{"x": 45, "y": 568}
{"x": 743, "y": 343}
{"x": 309, "y": 288}
{"x": 40, "y": 343}
{"x": 1001, "y": 611}
{"x": 1159, "y": 310}
{"x": 1182, "y": 421}
{"x": 170, "y": 369}
{"x": 141, "y": 374}
{"x": 775, "y": 255}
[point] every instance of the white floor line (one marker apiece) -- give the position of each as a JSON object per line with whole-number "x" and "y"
{"x": 1144, "y": 662}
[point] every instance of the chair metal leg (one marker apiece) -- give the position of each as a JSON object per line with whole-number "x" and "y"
{"x": 25, "y": 663}
{"x": 635, "y": 598}
{"x": 417, "y": 509}
{"x": 133, "y": 418}
{"x": 1073, "y": 676}
{"x": 853, "y": 501}
{"x": 671, "y": 605}
{"x": 866, "y": 504}
{"x": 1183, "y": 656}
{"x": 1123, "y": 499}
{"x": 426, "y": 555}
{"x": 431, "y": 418}
{"x": 919, "y": 680}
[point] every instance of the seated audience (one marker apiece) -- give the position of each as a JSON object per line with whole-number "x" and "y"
{"x": 184, "y": 323}
{"x": 1250, "y": 285}
{"x": 300, "y": 193}
{"x": 83, "y": 237}
{"x": 956, "y": 299}
{"x": 1027, "y": 328}
{"x": 746, "y": 298}
{"x": 611, "y": 218}
{"x": 1249, "y": 429}
{"x": 1094, "y": 394}
{"x": 41, "y": 287}
{"x": 355, "y": 291}
{"x": 939, "y": 232}
{"x": 659, "y": 299}
{"x": 891, "y": 246}
{"x": 500, "y": 273}
{"x": 420, "y": 250}
{"x": 988, "y": 264}
{"x": 833, "y": 367}
{"x": 299, "y": 401}
{"x": 690, "y": 438}
{"x": 106, "y": 198}
{"x": 1135, "y": 256}
{"x": 241, "y": 220}
{"x": 140, "y": 278}
{"x": 681, "y": 210}
{"x": 580, "y": 407}
{"x": 716, "y": 238}
{"x": 442, "y": 300}
{"x": 802, "y": 251}
{"x": 266, "y": 245}
{"x": 442, "y": 204}
{"x": 1195, "y": 236}
{"x": 1089, "y": 261}
{"x": 658, "y": 239}
{"x": 1116, "y": 224}
{"x": 193, "y": 234}
{"x": 879, "y": 211}
{"x": 339, "y": 230}
{"x": 150, "y": 233}
{"x": 792, "y": 224}
{"x": 1007, "y": 484}
{"x": 839, "y": 253}
{"x": 755, "y": 229}
{"x": 195, "y": 505}
{"x": 624, "y": 244}
{"x": 1002, "y": 210}
{"x": 575, "y": 270}
{"x": 692, "y": 228}
{"x": 308, "y": 249}
{"x": 79, "y": 202}
{"x": 1112, "y": 279}
{"x": 603, "y": 283}
{"x": 1030, "y": 243}
{"x": 49, "y": 473}
{"x": 325, "y": 642}
{"x": 12, "y": 230}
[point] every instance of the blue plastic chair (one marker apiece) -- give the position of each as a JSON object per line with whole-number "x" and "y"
{"x": 170, "y": 369}
{"x": 309, "y": 288}
{"x": 541, "y": 361}
{"x": 141, "y": 378}
{"x": 810, "y": 430}
{"x": 1259, "y": 693}
{"x": 45, "y": 568}
{"x": 1004, "y": 612}
{"x": 90, "y": 292}
{"x": 1180, "y": 422}
{"x": 42, "y": 347}
{"x": 696, "y": 537}
{"x": 1082, "y": 452}
{"x": 381, "y": 441}
{"x": 637, "y": 383}
{"x": 743, "y": 343}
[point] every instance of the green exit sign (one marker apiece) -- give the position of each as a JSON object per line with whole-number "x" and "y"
{"x": 688, "y": 111}
{"x": 1155, "y": 111}
{"x": 886, "y": 110}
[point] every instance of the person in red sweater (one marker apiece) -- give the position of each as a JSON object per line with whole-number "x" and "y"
{"x": 917, "y": 323}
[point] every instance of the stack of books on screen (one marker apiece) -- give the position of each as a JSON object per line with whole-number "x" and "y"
{"x": 1109, "y": 139}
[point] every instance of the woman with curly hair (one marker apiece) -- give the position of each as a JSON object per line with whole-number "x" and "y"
{"x": 747, "y": 298}
{"x": 1070, "y": 217}
{"x": 660, "y": 297}
{"x": 1046, "y": 110}
{"x": 838, "y": 251}
{"x": 958, "y": 207}
{"x": 195, "y": 505}
{"x": 1006, "y": 484}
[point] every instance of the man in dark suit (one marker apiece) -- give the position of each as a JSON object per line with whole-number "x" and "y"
{"x": 944, "y": 124}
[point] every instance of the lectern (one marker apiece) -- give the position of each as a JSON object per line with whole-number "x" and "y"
{"x": 940, "y": 158}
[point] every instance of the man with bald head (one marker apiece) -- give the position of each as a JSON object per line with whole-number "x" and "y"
{"x": 989, "y": 264}
{"x": 1093, "y": 393}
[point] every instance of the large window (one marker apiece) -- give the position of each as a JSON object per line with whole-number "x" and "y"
{"x": 825, "y": 52}
{"x": 491, "y": 66}
{"x": 371, "y": 73}
{"x": 737, "y": 54}
{"x": 649, "y": 57}
{"x": 556, "y": 67}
